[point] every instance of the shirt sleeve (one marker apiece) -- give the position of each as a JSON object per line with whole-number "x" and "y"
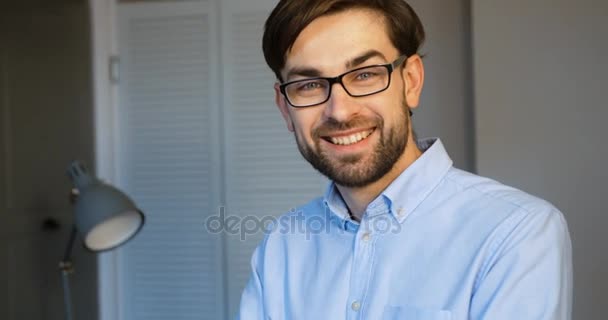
{"x": 529, "y": 275}
{"x": 252, "y": 301}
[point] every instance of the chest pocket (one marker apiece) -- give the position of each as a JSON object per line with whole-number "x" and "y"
{"x": 413, "y": 313}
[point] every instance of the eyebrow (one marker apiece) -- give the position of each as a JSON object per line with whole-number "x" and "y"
{"x": 356, "y": 61}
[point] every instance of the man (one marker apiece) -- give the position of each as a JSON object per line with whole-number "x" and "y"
{"x": 406, "y": 235}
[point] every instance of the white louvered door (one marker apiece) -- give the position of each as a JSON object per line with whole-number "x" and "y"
{"x": 265, "y": 174}
{"x": 198, "y": 131}
{"x": 169, "y": 160}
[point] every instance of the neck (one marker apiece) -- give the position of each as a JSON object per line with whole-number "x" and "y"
{"x": 357, "y": 199}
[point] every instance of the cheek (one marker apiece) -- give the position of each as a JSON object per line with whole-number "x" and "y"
{"x": 304, "y": 122}
{"x": 392, "y": 112}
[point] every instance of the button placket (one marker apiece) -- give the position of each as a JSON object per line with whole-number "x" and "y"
{"x": 361, "y": 272}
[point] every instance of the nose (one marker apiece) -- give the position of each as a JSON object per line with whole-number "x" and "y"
{"x": 341, "y": 106}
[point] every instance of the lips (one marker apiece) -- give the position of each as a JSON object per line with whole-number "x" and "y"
{"x": 345, "y": 140}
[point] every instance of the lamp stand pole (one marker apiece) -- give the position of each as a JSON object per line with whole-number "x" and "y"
{"x": 66, "y": 268}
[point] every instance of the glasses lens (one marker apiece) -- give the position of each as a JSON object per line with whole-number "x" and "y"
{"x": 307, "y": 92}
{"x": 366, "y": 81}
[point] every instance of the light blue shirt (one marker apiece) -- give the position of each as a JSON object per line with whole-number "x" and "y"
{"x": 439, "y": 243}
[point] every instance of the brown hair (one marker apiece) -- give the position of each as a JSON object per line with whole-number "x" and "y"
{"x": 290, "y": 17}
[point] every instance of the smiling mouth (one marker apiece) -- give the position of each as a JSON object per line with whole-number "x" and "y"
{"x": 349, "y": 139}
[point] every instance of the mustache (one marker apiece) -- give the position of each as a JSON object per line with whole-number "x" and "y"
{"x": 332, "y": 125}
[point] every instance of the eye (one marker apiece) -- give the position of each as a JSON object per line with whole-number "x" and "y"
{"x": 366, "y": 75}
{"x": 309, "y": 85}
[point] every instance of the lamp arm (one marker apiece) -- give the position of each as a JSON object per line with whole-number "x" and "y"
{"x": 67, "y": 256}
{"x": 66, "y": 267}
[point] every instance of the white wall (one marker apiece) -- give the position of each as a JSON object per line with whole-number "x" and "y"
{"x": 540, "y": 96}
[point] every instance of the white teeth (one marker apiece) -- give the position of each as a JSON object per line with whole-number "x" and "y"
{"x": 353, "y": 138}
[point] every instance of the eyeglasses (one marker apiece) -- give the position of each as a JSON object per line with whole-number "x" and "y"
{"x": 359, "y": 82}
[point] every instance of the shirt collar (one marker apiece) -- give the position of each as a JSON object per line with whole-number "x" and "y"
{"x": 409, "y": 189}
{"x": 336, "y": 205}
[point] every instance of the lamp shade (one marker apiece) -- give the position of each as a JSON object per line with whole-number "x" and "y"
{"x": 104, "y": 216}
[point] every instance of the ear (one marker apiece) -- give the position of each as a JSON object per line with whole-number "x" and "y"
{"x": 413, "y": 73}
{"x": 279, "y": 99}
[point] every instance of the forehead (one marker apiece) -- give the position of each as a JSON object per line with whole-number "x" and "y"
{"x": 330, "y": 41}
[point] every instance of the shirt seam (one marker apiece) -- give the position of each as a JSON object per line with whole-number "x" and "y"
{"x": 503, "y": 231}
{"x": 492, "y": 195}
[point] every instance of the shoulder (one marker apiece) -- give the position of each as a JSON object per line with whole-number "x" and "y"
{"x": 297, "y": 220}
{"x": 512, "y": 217}
{"x": 493, "y": 194}
{"x": 297, "y": 230}
{"x": 496, "y": 212}
{"x": 314, "y": 208}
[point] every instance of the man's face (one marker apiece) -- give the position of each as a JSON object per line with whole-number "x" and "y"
{"x": 354, "y": 141}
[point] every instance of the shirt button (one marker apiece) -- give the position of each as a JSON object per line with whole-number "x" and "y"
{"x": 365, "y": 237}
{"x": 400, "y": 212}
{"x": 356, "y": 305}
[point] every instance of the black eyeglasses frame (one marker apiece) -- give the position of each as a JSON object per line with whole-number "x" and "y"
{"x": 338, "y": 79}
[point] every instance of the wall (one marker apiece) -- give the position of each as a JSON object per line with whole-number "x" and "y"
{"x": 540, "y": 96}
{"x": 446, "y": 105}
{"x": 45, "y": 122}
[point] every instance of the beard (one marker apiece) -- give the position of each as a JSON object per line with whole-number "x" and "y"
{"x": 358, "y": 170}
